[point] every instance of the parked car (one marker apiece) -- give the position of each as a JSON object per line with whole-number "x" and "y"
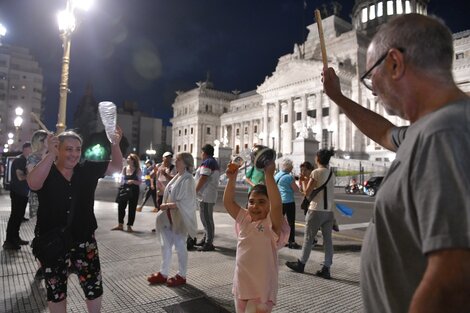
{"x": 372, "y": 185}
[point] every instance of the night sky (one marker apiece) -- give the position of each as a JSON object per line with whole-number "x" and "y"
{"x": 145, "y": 50}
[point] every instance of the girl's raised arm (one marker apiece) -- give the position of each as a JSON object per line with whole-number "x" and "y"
{"x": 229, "y": 194}
{"x": 274, "y": 198}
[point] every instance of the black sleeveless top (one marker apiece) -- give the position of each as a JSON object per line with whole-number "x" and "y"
{"x": 133, "y": 176}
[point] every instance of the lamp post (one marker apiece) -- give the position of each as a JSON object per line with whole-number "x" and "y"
{"x": 9, "y": 141}
{"x": 66, "y": 20}
{"x": 18, "y": 121}
{"x": 150, "y": 152}
{"x": 3, "y": 32}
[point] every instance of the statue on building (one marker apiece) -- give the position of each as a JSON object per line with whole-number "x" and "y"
{"x": 305, "y": 131}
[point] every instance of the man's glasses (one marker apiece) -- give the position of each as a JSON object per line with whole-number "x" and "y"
{"x": 366, "y": 78}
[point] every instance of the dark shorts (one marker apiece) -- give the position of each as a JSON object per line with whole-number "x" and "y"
{"x": 82, "y": 259}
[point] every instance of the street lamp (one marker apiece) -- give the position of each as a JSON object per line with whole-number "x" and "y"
{"x": 66, "y": 20}
{"x": 3, "y": 32}
{"x": 18, "y": 121}
{"x": 150, "y": 152}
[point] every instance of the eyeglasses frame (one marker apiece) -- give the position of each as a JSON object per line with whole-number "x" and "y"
{"x": 377, "y": 63}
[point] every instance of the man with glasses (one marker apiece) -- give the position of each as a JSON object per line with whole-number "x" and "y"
{"x": 416, "y": 252}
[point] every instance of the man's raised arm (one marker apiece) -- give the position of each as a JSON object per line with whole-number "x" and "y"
{"x": 371, "y": 124}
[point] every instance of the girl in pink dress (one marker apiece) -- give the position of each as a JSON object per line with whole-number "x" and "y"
{"x": 261, "y": 231}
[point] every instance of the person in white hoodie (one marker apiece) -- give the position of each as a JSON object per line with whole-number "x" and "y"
{"x": 176, "y": 220}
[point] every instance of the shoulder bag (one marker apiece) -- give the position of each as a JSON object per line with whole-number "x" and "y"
{"x": 306, "y": 201}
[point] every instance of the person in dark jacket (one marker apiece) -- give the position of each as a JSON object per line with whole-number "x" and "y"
{"x": 19, "y": 200}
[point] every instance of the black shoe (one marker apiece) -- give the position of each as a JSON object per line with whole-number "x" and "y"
{"x": 201, "y": 243}
{"x": 7, "y": 245}
{"x": 335, "y": 227}
{"x": 206, "y": 247}
{"x": 190, "y": 244}
{"x": 296, "y": 266}
{"x": 294, "y": 245}
{"x": 22, "y": 242}
{"x": 39, "y": 274}
{"x": 324, "y": 273}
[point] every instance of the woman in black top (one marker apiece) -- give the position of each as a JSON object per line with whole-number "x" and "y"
{"x": 66, "y": 191}
{"x": 132, "y": 178}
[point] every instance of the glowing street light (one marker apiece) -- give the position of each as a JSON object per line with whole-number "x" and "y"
{"x": 150, "y": 152}
{"x": 3, "y": 31}
{"x": 18, "y": 121}
{"x": 67, "y": 22}
{"x": 19, "y": 111}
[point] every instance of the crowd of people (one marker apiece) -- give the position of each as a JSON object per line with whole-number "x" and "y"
{"x": 416, "y": 253}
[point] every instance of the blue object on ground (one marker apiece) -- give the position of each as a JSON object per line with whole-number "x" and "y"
{"x": 345, "y": 210}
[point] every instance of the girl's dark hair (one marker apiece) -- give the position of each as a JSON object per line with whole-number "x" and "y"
{"x": 307, "y": 165}
{"x": 324, "y": 156}
{"x": 258, "y": 189}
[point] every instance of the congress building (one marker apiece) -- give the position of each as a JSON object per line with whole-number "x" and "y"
{"x": 289, "y": 110}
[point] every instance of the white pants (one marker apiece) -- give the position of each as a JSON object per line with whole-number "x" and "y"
{"x": 167, "y": 239}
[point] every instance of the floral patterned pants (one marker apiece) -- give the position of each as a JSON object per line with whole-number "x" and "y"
{"x": 82, "y": 259}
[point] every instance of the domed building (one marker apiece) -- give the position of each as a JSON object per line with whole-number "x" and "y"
{"x": 289, "y": 111}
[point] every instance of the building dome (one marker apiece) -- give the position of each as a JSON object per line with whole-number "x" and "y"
{"x": 368, "y": 15}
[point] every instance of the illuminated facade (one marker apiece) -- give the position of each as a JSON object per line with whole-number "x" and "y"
{"x": 290, "y": 105}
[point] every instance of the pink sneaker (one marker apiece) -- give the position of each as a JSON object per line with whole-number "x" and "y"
{"x": 176, "y": 281}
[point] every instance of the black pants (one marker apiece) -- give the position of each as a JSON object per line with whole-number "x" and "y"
{"x": 150, "y": 192}
{"x": 133, "y": 199}
{"x": 18, "y": 208}
{"x": 288, "y": 209}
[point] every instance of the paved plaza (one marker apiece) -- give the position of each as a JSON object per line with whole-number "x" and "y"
{"x": 127, "y": 259}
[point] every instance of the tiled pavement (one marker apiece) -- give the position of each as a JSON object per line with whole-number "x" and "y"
{"x": 127, "y": 259}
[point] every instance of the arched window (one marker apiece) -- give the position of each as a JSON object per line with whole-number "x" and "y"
{"x": 407, "y": 7}
{"x": 389, "y": 7}
{"x": 372, "y": 12}
{"x": 364, "y": 15}
{"x": 399, "y": 7}
{"x": 380, "y": 9}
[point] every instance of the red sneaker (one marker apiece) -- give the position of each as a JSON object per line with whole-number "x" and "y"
{"x": 157, "y": 278}
{"x": 176, "y": 281}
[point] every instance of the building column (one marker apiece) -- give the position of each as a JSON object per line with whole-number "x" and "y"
{"x": 250, "y": 133}
{"x": 334, "y": 124}
{"x": 242, "y": 135}
{"x": 264, "y": 139}
{"x": 304, "y": 108}
{"x": 277, "y": 127}
{"x": 233, "y": 139}
{"x": 290, "y": 124}
{"x": 318, "y": 106}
